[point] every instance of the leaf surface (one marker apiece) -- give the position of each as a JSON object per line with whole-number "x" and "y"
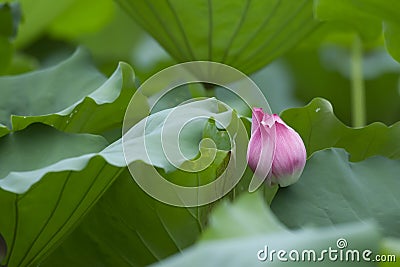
{"x": 333, "y": 190}
{"x": 49, "y": 180}
{"x": 320, "y": 129}
{"x": 71, "y": 96}
{"x": 248, "y": 35}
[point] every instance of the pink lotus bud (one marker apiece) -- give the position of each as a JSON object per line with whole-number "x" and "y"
{"x": 276, "y": 152}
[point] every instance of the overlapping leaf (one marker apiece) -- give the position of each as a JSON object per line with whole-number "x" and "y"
{"x": 128, "y": 227}
{"x": 319, "y": 129}
{"x": 145, "y": 140}
{"x": 64, "y": 174}
{"x": 49, "y": 180}
{"x": 241, "y": 33}
{"x": 333, "y": 190}
{"x": 72, "y": 96}
{"x": 252, "y": 227}
{"x": 246, "y": 217}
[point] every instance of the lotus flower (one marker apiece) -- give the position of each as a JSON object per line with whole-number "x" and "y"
{"x": 276, "y": 152}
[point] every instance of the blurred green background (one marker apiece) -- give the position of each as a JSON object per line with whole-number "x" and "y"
{"x": 319, "y": 65}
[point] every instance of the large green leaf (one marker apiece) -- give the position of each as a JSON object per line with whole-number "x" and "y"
{"x": 244, "y": 34}
{"x": 319, "y": 129}
{"x": 129, "y": 228}
{"x": 333, "y": 190}
{"x": 363, "y": 22}
{"x": 49, "y": 180}
{"x": 147, "y": 135}
{"x": 72, "y": 96}
{"x": 366, "y": 16}
{"x": 24, "y": 161}
{"x": 243, "y": 251}
{"x": 246, "y": 217}
{"x": 247, "y": 226}
{"x": 392, "y": 38}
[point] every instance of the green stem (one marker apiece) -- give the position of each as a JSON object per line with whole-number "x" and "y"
{"x": 357, "y": 85}
{"x": 270, "y": 192}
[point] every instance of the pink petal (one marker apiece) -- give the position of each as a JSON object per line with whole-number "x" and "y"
{"x": 268, "y": 120}
{"x": 290, "y": 154}
{"x": 260, "y": 151}
{"x": 257, "y": 117}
